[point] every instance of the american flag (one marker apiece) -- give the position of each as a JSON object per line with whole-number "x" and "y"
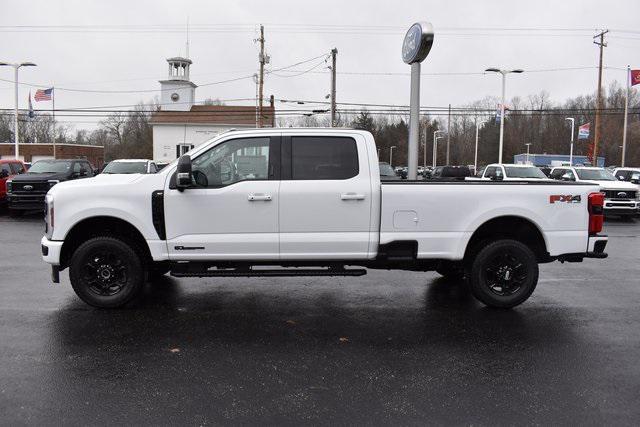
{"x": 43, "y": 95}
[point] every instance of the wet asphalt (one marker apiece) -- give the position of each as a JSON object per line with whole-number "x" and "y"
{"x": 386, "y": 348}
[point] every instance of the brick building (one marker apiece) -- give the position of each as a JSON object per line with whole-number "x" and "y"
{"x": 33, "y": 152}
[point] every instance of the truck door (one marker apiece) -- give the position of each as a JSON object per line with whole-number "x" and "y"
{"x": 231, "y": 211}
{"x": 325, "y": 197}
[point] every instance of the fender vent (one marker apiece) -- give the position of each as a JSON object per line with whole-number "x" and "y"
{"x": 157, "y": 213}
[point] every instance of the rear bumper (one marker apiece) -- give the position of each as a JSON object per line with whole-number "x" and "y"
{"x": 595, "y": 249}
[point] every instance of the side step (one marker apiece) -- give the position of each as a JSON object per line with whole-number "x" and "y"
{"x": 249, "y": 272}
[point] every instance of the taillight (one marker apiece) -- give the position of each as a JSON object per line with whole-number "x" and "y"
{"x": 596, "y": 212}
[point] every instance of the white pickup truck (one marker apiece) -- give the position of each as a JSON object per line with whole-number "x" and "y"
{"x": 514, "y": 172}
{"x": 287, "y": 202}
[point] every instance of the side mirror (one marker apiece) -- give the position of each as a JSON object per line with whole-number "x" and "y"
{"x": 83, "y": 172}
{"x": 566, "y": 177}
{"x": 620, "y": 178}
{"x": 496, "y": 177}
{"x": 183, "y": 173}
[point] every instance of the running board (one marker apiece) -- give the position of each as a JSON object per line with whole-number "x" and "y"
{"x": 268, "y": 273}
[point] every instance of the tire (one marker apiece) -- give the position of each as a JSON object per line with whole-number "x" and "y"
{"x": 451, "y": 270}
{"x": 106, "y": 272}
{"x": 503, "y": 274}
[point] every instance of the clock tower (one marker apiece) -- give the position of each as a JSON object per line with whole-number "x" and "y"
{"x": 178, "y": 93}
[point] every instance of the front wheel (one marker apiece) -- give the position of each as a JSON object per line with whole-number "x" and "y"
{"x": 106, "y": 272}
{"x": 503, "y": 274}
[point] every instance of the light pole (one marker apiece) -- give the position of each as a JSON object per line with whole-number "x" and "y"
{"x": 475, "y": 157}
{"x": 528, "y": 145}
{"x": 504, "y": 79}
{"x": 378, "y": 154}
{"x": 435, "y": 145}
{"x": 573, "y": 121}
{"x": 16, "y": 132}
{"x": 391, "y": 155}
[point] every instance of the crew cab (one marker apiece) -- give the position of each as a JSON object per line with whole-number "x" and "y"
{"x": 620, "y": 198}
{"x": 8, "y": 168}
{"x": 27, "y": 191}
{"x": 310, "y": 202}
{"x": 514, "y": 172}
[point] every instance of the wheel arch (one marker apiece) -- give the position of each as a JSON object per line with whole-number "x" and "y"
{"x": 513, "y": 227}
{"x": 103, "y": 225}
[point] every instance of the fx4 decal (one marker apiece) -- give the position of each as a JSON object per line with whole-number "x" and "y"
{"x": 564, "y": 199}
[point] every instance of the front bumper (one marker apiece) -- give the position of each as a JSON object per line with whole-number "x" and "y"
{"x": 26, "y": 202}
{"x": 621, "y": 207}
{"x": 51, "y": 250}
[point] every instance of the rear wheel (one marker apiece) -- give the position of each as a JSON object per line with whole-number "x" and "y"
{"x": 503, "y": 274}
{"x": 106, "y": 272}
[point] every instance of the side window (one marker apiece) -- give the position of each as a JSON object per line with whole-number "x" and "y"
{"x": 4, "y": 168}
{"x": 490, "y": 172}
{"x": 499, "y": 172}
{"x": 76, "y": 167}
{"x": 623, "y": 175}
{"x": 557, "y": 173}
{"x": 88, "y": 169}
{"x": 17, "y": 168}
{"x": 153, "y": 168}
{"x": 232, "y": 161}
{"x": 320, "y": 157}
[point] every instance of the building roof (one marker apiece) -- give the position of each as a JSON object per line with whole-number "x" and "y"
{"x": 215, "y": 115}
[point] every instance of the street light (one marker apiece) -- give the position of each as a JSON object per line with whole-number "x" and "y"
{"x": 435, "y": 145}
{"x": 573, "y": 121}
{"x": 528, "y": 145}
{"x": 391, "y": 155}
{"x": 475, "y": 157}
{"x": 15, "y": 120}
{"x": 504, "y": 78}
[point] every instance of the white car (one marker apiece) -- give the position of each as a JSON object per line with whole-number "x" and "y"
{"x": 127, "y": 166}
{"x": 621, "y": 198}
{"x": 511, "y": 172}
{"x": 310, "y": 202}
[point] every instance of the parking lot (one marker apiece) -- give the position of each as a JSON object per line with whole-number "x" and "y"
{"x": 386, "y": 348}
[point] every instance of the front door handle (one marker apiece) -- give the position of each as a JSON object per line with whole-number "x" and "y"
{"x": 351, "y": 196}
{"x": 259, "y": 197}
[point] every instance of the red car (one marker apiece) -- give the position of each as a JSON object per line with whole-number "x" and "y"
{"x": 8, "y": 168}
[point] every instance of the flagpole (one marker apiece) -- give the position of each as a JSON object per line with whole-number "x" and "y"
{"x": 53, "y": 100}
{"x": 626, "y": 115}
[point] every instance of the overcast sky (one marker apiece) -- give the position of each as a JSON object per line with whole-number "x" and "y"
{"x": 367, "y": 34}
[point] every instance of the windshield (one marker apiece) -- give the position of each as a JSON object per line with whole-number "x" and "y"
{"x": 595, "y": 174}
{"x": 50, "y": 166}
{"x": 126, "y": 167}
{"x": 386, "y": 170}
{"x": 518, "y": 172}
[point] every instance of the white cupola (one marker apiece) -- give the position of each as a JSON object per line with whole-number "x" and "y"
{"x": 178, "y": 93}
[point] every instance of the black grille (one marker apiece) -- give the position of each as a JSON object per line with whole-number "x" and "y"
{"x": 615, "y": 194}
{"x": 27, "y": 187}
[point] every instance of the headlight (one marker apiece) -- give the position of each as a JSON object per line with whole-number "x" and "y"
{"x": 52, "y": 182}
{"x": 9, "y": 186}
{"x": 49, "y": 216}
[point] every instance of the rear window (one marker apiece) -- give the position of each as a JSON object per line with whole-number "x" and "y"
{"x": 319, "y": 157}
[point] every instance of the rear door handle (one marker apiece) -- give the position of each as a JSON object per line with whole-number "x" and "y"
{"x": 259, "y": 197}
{"x": 351, "y": 196}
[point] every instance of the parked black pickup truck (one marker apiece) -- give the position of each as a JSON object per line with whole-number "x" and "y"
{"x": 26, "y": 191}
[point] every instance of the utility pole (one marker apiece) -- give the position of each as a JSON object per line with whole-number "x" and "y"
{"x": 596, "y": 135}
{"x": 448, "y": 134}
{"x": 626, "y": 117}
{"x": 334, "y": 54}
{"x": 261, "y": 58}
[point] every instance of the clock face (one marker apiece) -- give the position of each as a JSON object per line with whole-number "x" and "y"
{"x": 175, "y": 96}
